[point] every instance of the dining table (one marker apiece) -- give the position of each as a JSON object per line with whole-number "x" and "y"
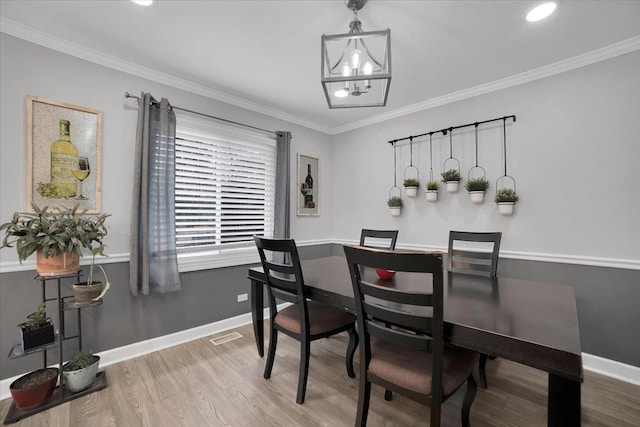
{"x": 524, "y": 321}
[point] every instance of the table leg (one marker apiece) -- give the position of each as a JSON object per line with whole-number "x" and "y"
{"x": 257, "y": 314}
{"x": 563, "y": 403}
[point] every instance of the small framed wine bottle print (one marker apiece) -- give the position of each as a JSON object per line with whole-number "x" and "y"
{"x": 63, "y": 154}
{"x": 308, "y": 184}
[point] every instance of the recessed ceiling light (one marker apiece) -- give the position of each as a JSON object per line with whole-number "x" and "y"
{"x": 541, "y": 11}
{"x": 143, "y": 2}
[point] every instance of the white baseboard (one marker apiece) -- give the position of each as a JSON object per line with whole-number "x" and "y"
{"x": 611, "y": 368}
{"x": 607, "y": 367}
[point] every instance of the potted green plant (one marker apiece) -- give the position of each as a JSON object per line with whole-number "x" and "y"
{"x": 452, "y": 179}
{"x": 92, "y": 290}
{"x": 395, "y": 205}
{"x": 37, "y": 330}
{"x": 476, "y": 188}
{"x": 57, "y": 236}
{"x": 34, "y": 388}
{"x": 411, "y": 186}
{"x": 506, "y": 198}
{"x": 80, "y": 371}
{"x": 432, "y": 191}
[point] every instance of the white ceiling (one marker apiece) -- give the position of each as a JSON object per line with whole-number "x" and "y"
{"x": 267, "y": 53}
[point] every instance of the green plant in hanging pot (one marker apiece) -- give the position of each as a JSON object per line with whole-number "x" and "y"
{"x": 506, "y": 198}
{"x": 476, "y": 188}
{"x": 57, "y": 236}
{"x": 451, "y": 178}
{"x": 395, "y": 205}
{"x": 411, "y": 187}
{"x": 432, "y": 191}
{"x": 37, "y": 330}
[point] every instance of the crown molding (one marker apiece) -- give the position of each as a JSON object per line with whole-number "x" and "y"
{"x": 41, "y": 38}
{"x": 33, "y": 35}
{"x": 607, "y": 52}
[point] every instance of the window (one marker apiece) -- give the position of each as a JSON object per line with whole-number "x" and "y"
{"x": 225, "y": 180}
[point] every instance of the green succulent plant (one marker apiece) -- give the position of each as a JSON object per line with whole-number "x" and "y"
{"x": 411, "y": 182}
{"x": 451, "y": 175}
{"x": 54, "y": 231}
{"x": 477, "y": 184}
{"x": 80, "y": 360}
{"x": 506, "y": 195}
{"x": 432, "y": 185}
{"x": 37, "y": 319}
{"x": 394, "y": 202}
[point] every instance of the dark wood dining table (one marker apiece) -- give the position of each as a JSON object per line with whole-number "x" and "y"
{"x": 528, "y": 322}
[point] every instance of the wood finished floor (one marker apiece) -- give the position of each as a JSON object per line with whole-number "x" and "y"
{"x": 199, "y": 384}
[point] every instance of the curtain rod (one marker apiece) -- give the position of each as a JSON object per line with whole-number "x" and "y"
{"x": 128, "y": 95}
{"x": 449, "y": 129}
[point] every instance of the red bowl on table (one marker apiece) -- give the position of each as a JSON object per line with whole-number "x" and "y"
{"x": 385, "y": 274}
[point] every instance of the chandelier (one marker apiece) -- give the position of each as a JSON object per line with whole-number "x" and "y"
{"x": 356, "y": 66}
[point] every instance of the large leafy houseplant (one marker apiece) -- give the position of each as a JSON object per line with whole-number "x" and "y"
{"x": 54, "y": 231}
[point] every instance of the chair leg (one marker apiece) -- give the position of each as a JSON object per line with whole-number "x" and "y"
{"x": 364, "y": 396}
{"x": 305, "y": 350}
{"x": 436, "y": 413}
{"x": 387, "y": 395}
{"x": 469, "y": 396}
{"x": 482, "y": 374}
{"x": 273, "y": 342}
{"x": 351, "y": 350}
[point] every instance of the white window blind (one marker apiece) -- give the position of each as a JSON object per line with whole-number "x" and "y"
{"x": 225, "y": 179}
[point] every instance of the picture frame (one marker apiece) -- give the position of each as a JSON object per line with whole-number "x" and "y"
{"x": 308, "y": 186}
{"x": 63, "y": 154}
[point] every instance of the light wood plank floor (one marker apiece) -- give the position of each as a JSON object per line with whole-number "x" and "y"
{"x": 199, "y": 384}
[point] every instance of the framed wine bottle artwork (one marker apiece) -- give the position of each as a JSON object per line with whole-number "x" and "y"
{"x": 63, "y": 154}
{"x": 308, "y": 186}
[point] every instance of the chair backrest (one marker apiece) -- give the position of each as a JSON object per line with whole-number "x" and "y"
{"x": 397, "y": 316}
{"x": 475, "y": 260}
{"x": 284, "y": 279}
{"x": 388, "y": 238}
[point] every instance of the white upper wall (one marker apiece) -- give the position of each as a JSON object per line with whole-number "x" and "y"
{"x": 29, "y": 69}
{"x": 574, "y": 152}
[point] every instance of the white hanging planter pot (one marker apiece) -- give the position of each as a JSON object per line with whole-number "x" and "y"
{"x": 395, "y": 211}
{"x": 432, "y": 195}
{"x": 411, "y": 191}
{"x": 506, "y": 208}
{"x": 476, "y": 196}
{"x": 452, "y": 186}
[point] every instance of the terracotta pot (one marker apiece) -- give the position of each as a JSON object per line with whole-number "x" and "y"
{"x": 32, "y": 389}
{"x": 84, "y": 294}
{"x": 65, "y": 263}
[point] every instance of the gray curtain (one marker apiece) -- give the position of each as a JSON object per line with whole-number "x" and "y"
{"x": 283, "y": 187}
{"x": 154, "y": 264}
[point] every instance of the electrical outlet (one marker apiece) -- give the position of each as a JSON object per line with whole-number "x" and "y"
{"x": 243, "y": 297}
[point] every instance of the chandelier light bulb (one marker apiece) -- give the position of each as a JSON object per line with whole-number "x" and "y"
{"x": 355, "y": 59}
{"x": 367, "y": 69}
{"x": 341, "y": 93}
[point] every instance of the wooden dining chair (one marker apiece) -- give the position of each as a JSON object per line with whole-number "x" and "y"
{"x": 384, "y": 239}
{"x": 483, "y": 261}
{"x": 402, "y": 346}
{"x": 303, "y": 320}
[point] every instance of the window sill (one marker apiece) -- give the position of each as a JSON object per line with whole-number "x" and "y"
{"x": 217, "y": 259}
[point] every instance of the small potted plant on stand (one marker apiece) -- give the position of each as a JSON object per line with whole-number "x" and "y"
{"x": 80, "y": 371}
{"x": 37, "y": 330}
{"x": 476, "y": 188}
{"x": 90, "y": 291}
{"x": 411, "y": 187}
{"x": 57, "y": 236}
{"x": 432, "y": 191}
{"x": 506, "y": 198}
{"x": 395, "y": 205}
{"x": 34, "y": 388}
{"x": 452, "y": 179}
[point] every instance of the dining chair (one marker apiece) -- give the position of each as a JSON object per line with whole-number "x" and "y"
{"x": 402, "y": 346}
{"x": 303, "y": 320}
{"x": 385, "y": 239}
{"x": 483, "y": 261}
